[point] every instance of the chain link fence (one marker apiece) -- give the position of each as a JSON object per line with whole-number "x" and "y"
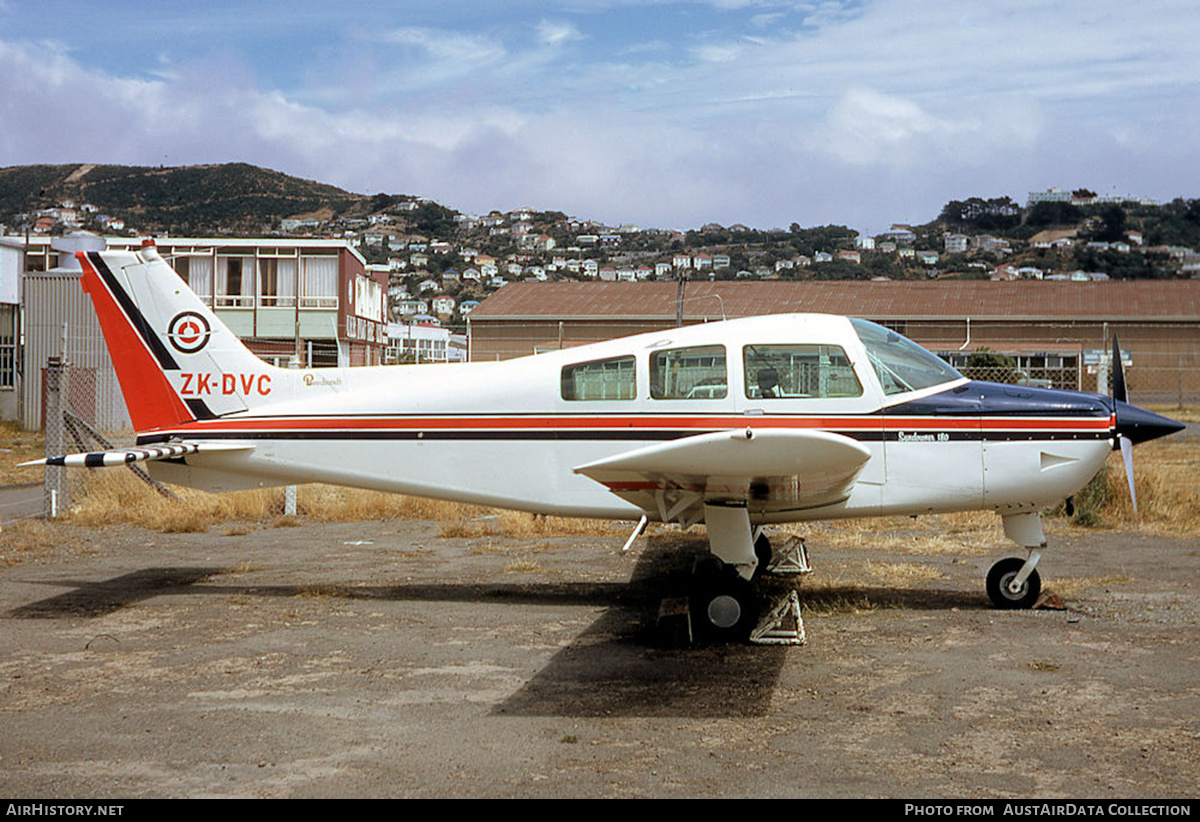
{"x": 74, "y": 422}
{"x": 1171, "y": 379}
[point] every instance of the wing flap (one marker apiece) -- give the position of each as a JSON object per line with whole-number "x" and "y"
{"x": 768, "y": 468}
{"x": 127, "y": 456}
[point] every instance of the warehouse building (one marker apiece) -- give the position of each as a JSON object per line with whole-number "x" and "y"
{"x": 1055, "y": 333}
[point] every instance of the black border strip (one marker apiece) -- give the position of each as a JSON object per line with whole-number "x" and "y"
{"x": 925, "y": 437}
{"x": 133, "y": 314}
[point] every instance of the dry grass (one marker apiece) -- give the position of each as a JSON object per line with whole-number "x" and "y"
{"x": 24, "y": 538}
{"x": 968, "y": 533}
{"x": 121, "y": 498}
{"x": 1168, "y": 485}
{"x": 525, "y": 567}
{"x": 1167, "y": 479}
{"x": 520, "y": 525}
{"x": 17, "y": 446}
{"x": 1074, "y": 587}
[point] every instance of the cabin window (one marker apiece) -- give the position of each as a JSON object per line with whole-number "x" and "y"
{"x": 600, "y": 380}
{"x": 694, "y": 373}
{"x": 900, "y": 363}
{"x": 796, "y": 371}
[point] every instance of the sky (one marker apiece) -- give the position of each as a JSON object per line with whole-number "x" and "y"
{"x": 659, "y": 113}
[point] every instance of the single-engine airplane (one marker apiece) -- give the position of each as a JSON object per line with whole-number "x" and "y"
{"x": 734, "y": 424}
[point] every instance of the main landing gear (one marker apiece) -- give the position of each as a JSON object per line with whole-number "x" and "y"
{"x": 724, "y": 607}
{"x": 724, "y": 604}
{"x": 1013, "y": 583}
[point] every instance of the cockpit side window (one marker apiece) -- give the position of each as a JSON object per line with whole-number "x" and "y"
{"x": 799, "y": 371}
{"x": 600, "y": 380}
{"x": 693, "y": 373}
{"x": 900, "y": 363}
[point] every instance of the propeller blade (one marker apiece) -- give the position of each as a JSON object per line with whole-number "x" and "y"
{"x": 1127, "y": 457}
{"x": 1119, "y": 391}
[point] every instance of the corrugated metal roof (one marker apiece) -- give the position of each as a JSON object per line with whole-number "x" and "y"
{"x": 1173, "y": 300}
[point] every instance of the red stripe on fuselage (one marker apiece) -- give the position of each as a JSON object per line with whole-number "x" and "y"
{"x": 865, "y": 423}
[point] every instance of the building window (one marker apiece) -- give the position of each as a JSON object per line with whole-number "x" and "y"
{"x": 601, "y": 380}
{"x": 319, "y": 280}
{"x": 695, "y": 373}
{"x": 277, "y": 282}
{"x": 233, "y": 282}
{"x": 198, "y": 272}
{"x": 8, "y": 347}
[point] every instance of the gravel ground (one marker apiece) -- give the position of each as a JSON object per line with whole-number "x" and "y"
{"x": 380, "y": 659}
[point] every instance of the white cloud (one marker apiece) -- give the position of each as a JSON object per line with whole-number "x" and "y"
{"x": 557, "y": 33}
{"x": 845, "y": 112}
{"x": 866, "y": 127}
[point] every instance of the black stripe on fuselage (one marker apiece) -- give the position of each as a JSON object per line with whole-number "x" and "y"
{"x": 923, "y": 436}
{"x": 133, "y": 314}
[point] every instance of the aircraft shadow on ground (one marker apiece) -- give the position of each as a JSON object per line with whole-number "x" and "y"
{"x": 618, "y": 666}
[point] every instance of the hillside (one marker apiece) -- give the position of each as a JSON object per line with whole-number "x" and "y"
{"x": 1081, "y": 237}
{"x": 230, "y": 198}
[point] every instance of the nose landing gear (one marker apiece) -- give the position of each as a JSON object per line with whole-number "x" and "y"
{"x": 1008, "y": 589}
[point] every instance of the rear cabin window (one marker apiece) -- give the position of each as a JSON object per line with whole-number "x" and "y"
{"x": 694, "y": 373}
{"x": 798, "y": 371}
{"x": 600, "y": 380}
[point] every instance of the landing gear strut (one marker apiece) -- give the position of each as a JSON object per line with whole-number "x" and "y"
{"x": 724, "y": 604}
{"x": 1013, "y": 583}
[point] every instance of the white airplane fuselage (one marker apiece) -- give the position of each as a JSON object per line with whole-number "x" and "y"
{"x": 502, "y": 434}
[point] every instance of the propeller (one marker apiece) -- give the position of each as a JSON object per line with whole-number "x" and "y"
{"x": 1133, "y": 425}
{"x": 1120, "y": 395}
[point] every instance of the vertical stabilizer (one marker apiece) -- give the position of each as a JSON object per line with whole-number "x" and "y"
{"x": 175, "y": 360}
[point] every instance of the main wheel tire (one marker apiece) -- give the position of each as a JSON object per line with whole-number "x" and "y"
{"x": 764, "y": 554}
{"x": 998, "y": 580}
{"x": 724, "y": 608}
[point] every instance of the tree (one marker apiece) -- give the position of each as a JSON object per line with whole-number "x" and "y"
{"x": 1112, "y": 224}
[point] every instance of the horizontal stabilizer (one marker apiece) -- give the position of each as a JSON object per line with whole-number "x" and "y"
{"x": 125, "y": 456}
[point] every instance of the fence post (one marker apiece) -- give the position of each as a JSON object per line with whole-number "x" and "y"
{"x": 57, "y": 495}
{"x": 289, "y": 491}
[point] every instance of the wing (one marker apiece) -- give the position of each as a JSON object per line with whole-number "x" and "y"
{"x": 769, "y": 470}
{"x": 125, "y": 456}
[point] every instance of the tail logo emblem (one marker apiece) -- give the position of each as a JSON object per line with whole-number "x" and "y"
{"x": 188, "y": 332}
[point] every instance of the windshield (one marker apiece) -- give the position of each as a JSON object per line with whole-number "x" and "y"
{"x": 900, "y": 363}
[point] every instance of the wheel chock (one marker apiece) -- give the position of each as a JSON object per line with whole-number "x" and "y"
{"x": 674, "y": 623}
{"x": 791, "y": 559}
{"x": 783, "y": 625}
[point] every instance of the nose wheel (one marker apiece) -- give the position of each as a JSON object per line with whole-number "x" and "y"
{"x": 1007, "y": 590}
